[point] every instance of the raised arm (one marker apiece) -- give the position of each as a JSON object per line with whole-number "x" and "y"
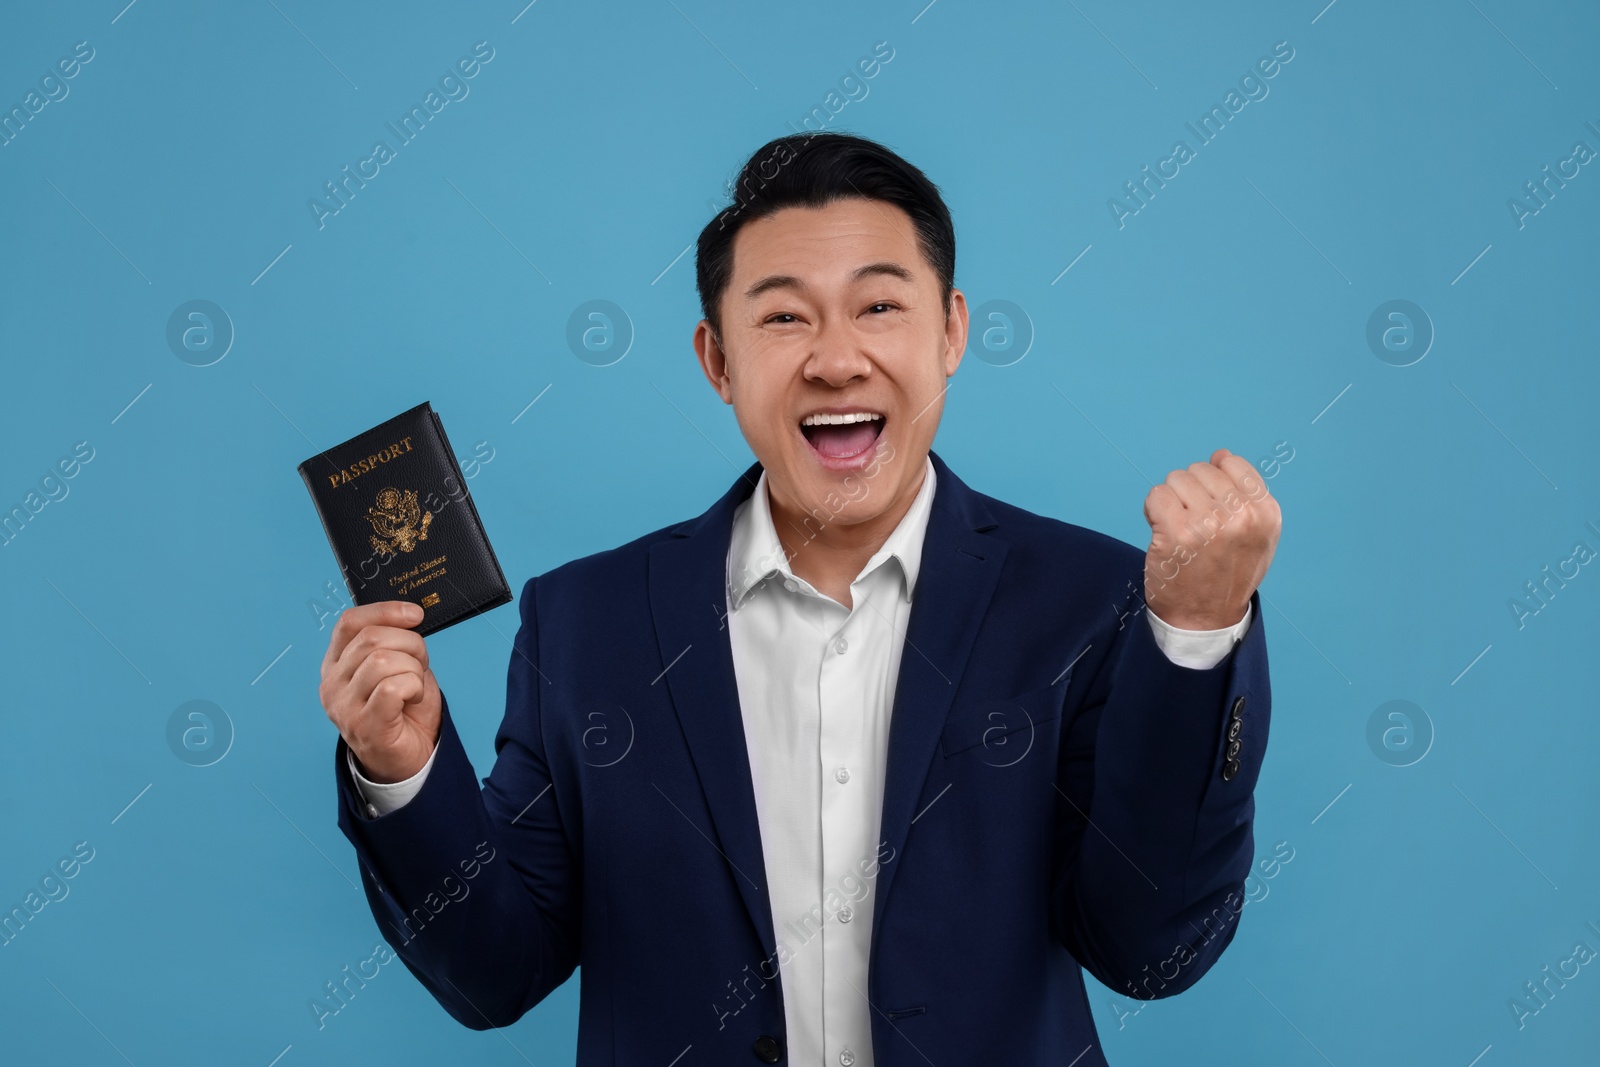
{"x": 476, "y": 889}
{"x": 1158, "y": 768}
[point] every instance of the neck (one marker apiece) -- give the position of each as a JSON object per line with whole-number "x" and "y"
{"x": 829, "y": 554}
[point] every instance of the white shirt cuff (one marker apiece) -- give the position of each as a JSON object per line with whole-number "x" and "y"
{"x": 1199, "y": 649}
{"x": 382, "y": 798}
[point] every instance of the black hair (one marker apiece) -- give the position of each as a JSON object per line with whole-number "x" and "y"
{"x": 812, "y": 170}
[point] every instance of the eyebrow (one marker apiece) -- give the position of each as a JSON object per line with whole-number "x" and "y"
{"x": 789, "y": 281}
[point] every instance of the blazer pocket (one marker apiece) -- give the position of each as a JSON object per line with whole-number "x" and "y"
{"x": 1003, "y": 724}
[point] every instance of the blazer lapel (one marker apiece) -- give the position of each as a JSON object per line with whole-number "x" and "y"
{"x": 688, "y": 602}
{"x": 957, "y": 578}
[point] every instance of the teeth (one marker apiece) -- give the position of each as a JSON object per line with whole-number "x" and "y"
{"x": 833, "y": 420}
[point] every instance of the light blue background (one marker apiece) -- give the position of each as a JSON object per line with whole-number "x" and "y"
{"x": 1230, "y": 311}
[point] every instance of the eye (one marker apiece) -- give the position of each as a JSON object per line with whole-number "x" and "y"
{"x": 883, "y": 304}
{"x": 780, "y": 315}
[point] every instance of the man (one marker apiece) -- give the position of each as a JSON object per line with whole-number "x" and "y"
{"x": 859, "y": 766}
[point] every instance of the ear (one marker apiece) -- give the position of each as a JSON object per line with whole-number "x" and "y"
{"x": 713, "y": 361}
{"x": 955, "y": 332}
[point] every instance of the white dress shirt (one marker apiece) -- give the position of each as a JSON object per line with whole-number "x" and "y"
{"x": 816, "y": 685}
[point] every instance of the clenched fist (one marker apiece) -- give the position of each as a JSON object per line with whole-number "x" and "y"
{"x": 1213, "y": 529}
{"x": 378, "y": 690}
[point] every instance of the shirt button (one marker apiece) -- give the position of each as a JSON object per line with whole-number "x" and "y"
{"x": 842, "y": 775}
{"x": 789, "y": 584}
{"x": 845, "y": 914}
{"x": 840, "y": 645}
{"x": 372, "y": 811}
{"x": 846, "y": 1058}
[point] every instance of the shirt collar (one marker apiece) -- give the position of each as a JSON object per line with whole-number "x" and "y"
{"x": 755, "y": 553}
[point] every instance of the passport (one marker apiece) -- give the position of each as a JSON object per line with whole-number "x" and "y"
{"x": 401, "y": 522}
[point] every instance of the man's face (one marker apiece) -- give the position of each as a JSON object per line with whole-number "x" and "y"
{"x": 834, "y": 309}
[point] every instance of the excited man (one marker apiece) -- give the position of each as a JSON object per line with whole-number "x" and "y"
{"x": 859, "y": 766}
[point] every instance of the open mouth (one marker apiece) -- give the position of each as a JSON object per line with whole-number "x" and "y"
{"x": 840, "y": 439}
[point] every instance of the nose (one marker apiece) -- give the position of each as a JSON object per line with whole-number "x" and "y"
{"x": 837, "y": 356}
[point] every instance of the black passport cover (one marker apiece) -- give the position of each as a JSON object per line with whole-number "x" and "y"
{"x": 401, "y": 522}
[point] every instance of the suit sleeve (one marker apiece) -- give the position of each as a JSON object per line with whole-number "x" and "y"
{"x": 1155, "y": 790}
{"x": 477, "y": 890}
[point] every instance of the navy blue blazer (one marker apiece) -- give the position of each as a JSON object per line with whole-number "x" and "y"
{"x": 1059, "y": 797}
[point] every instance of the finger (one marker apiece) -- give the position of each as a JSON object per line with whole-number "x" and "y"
{"x": 352, "y": 621}
{"x": 1250, "y": 483}
{"x": 1217, "y": 482}
{"x": 1261, "y": 508}
{"x": 1189, "y": 490}
{"x": 1162, "y": 506}
{"x": 373, "y": 638}
{"x": 390, "y": 695}
{"x": 380, "y": 664}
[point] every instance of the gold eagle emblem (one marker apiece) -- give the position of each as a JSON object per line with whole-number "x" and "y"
{"x": 398, "y": 521}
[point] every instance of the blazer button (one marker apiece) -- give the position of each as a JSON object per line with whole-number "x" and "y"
{"x": 1233, "y": 749}
{"x": 1238, "y": 707}
{"x": 768, "y": 1049}
{"x": 1233, "y": 729}
{"x": 1230, "y": 769}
